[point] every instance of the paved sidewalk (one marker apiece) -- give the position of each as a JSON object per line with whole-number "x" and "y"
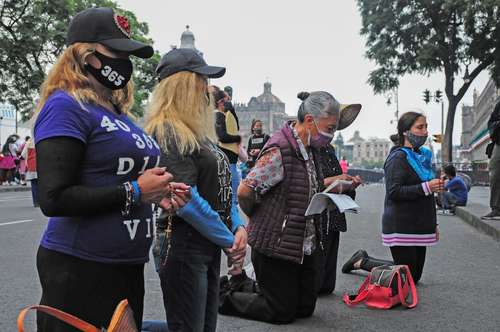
{"x": 477, "y": 206}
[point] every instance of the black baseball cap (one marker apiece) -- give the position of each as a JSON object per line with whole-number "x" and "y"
{"x": 186, "y": 59}
{"x": 102, "y": 25}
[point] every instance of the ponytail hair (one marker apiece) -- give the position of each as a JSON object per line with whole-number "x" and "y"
{"x": 405, "y": 123}
{"x": 318, "y": 104}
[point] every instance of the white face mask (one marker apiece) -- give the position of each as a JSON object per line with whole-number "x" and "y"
{"x": 322, "y": 139}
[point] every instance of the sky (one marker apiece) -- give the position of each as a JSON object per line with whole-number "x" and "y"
{"x": 297, "y": 46}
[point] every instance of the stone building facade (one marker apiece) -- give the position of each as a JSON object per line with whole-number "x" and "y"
{"x": 343, "y": 149}
{"x": 475, "y": 136}
{"x": 372, "y": 151}
{"x": 266, "y": 107}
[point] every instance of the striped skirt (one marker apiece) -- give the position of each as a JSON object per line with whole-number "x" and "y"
{"x": 399, "y": 239}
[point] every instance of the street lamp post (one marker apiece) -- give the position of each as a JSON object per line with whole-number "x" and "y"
{"x": 438, "y": 98}
{"x": 393, "y": 95}
{"x": 16, "y": 119}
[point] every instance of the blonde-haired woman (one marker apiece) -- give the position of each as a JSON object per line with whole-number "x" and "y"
{"x": 97, "y": 175}
{"x": 189, "y": 242}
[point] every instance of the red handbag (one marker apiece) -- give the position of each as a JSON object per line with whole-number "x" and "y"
{"x": 385, "y": 287}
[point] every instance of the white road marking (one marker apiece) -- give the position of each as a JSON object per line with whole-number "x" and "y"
{"x": 16, "y": 222}
{"x": 12, "y": 197}
{"x": 15, "y": 199}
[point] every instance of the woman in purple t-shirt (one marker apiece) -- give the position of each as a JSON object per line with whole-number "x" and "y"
{"x": 98, "y": 176}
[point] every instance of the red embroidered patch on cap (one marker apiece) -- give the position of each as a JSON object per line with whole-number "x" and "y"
{"x": 122, "y": 24}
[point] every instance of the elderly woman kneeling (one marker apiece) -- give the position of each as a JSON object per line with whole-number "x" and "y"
{"x": 286, "y": 246}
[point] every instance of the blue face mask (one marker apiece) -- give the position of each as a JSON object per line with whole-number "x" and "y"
{"x": 415, "y": 140}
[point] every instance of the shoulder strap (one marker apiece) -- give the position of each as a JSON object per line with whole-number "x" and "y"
{"x": 360, "y": 297}
{"x": 411, "y": 286}
{"x": 61, "y": 315}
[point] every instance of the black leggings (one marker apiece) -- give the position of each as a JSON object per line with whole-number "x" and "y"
{"x": 414, "y": 257}
{"x": 89, "y": 290}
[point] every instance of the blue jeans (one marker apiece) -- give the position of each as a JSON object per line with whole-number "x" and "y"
{"x": 449, "y": 200}
{"x": 190, "y": 281}
{"x": 154, "y": 326}
{"x": 235, "y": 182}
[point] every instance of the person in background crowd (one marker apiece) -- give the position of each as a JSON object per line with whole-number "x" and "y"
{"x": 344, "y": 165}
{"x": 256, "y": 142}
{"x": 334, "y": 221}
{"x": 8, "y": 163}
{"x": 227, "y": 128}
{"x": 228, "y": 107}
{"x": 22, "y": 161}
{"x": 29, "y": 155}
{"x": 188, "y": 243}
{"x": 97, "y": 176}
{"x": 286, "y": 252}
{"x": 229, "y": 91}
{"x": 493, "y": 152}
{"x": 409, "y": 219}
{"x": 455, "y": 193}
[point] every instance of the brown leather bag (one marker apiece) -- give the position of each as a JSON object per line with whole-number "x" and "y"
{"x": 122, "y": 320}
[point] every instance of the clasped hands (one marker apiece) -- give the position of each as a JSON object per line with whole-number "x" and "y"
{"x": 237, "y": 253}
{"x": 157, "y": 187}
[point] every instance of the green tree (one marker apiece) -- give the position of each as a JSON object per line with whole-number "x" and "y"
{"x": 426, "y": 36}
{"x": 32, "y": 35}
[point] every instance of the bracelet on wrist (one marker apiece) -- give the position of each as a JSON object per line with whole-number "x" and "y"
{"x": 136, "y": 193}
{"x": 128, "y": 199}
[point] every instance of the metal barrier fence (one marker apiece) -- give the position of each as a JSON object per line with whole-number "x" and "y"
{"x": 478, "y": 173}
{"x": 368, "y": 175}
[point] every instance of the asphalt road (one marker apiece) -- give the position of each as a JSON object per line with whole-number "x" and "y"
{"x": 459, "y": 290}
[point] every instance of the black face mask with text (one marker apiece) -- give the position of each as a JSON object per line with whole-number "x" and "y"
{"x": 114, "y": 72}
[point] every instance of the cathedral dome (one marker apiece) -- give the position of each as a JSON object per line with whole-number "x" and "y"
{"x": 267, "y": 96}
{"x": 187, "y": 39}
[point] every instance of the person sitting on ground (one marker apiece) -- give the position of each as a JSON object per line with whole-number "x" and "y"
{"x": 455, "y": 191}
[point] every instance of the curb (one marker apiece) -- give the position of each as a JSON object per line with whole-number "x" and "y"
{"x": 14, "y": 189}
{"x": 478, "y": 223}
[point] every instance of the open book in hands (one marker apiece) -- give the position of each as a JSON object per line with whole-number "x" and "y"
{"x": 321, "y": 201}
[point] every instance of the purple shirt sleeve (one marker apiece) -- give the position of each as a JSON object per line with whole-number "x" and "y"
{"x": 61, "y": 115}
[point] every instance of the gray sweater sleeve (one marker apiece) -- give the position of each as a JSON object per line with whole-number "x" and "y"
{"x": 396, "y": 172}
